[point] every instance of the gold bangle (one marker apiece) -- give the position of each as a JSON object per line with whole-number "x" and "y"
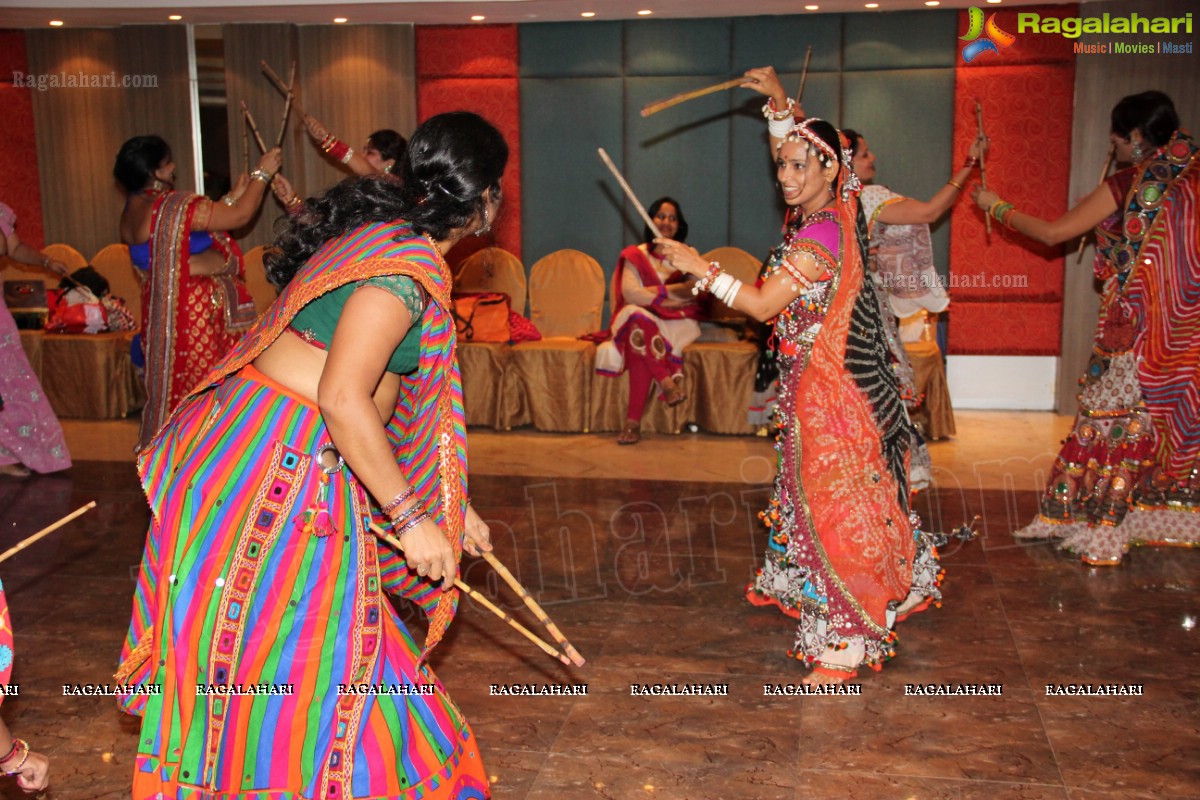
{"x": 955, "y": 185}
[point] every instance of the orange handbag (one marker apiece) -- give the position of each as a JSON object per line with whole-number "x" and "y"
{"x": 482, "y": 317}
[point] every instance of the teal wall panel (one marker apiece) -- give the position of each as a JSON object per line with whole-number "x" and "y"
{"x": 571, "y": 50}
{"x": 900, "y": 40}
{"x": 782, "y": 41}
{"x": 678, "y": 47}
{"x": 567, "y": 198}
{"x": 684, "y": 155}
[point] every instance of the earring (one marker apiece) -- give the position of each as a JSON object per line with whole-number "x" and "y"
{"x": 487, "y": 223}
{"x": 1138, "y": 152}
{"x": 387, "y": 169}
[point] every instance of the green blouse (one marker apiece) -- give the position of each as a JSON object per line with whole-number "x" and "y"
{"x": 316, "y": 321}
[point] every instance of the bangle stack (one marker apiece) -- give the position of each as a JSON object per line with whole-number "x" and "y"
{"x": 410, "y": 519}
{"x": 17, "y": 745}
{"x": 779, "y": 123}
{"x": 260, "y": 175}
{"x": 1002, "y": 212}
{"x": 725, "y": 288}
{"x": 393, "y": 505}
{"x": 337, "y": 149}
{"x": 705, "y": 283}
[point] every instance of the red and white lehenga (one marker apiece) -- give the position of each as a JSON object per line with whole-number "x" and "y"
{"x": 1129, "y": 472}
{"x": 189, "y": 321}
{"x": 844, "y": 550}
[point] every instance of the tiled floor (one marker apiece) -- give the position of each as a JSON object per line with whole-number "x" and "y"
{"x": 640, "y": 555}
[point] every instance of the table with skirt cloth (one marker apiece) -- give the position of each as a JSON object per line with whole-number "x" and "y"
{"x": 85, "y": 376}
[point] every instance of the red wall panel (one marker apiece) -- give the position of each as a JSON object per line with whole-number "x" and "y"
{"x": 19, "y": 186}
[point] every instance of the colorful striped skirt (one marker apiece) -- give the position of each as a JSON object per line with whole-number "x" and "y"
{"x": 270, "y": 664}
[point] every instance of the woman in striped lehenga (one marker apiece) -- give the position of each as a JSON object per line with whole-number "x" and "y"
{"x": 259, "y": 613}
{"x": 1129, "y": 472}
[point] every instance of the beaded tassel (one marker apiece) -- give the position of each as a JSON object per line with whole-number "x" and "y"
{"x": 315, "y": 519}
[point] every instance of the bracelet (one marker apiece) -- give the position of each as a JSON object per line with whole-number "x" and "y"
{"x": 970, "y": 162}
{"x": 14, "y": 746}
{"x": 349, "y": 155}
{"x": 726, "y": 288}
{"x": 705, "y": 283}
{"x": 328, "y": 142}
{"x": 295, "y": 201}
{"x": 229, "y": 201}
{"x": 1001, "y": 211}
{"x": 24, "y": 757}
{"x": 397, "y": 501}
{"x": 410, "y": 523}
{"x": 955, "y": 184}
{"x": 772, "y": 113}
{"x": 261, "y": 175}
{"x": 779, "y": 129}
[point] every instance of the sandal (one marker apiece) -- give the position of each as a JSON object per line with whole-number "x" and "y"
{"x": 829, "y": 674}
{"x": 15, "y": 471}
{"x": 673, "y": 395}
{"x": 917, "y": 609}
{"x": 630, "y": 434}
{"x": 757, "y": 598}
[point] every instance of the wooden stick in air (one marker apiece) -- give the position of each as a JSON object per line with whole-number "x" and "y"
{"x": 253, "y": 128}
{"x": 287, "y": 105}
{"x": 21, "y": 545}
{"x": 804, "y": 75}
{"x": 683, "y": 97}
{"x": 629, "y": 193}
{"x": 280, "y": 86}
{"x": 987, "y": 218}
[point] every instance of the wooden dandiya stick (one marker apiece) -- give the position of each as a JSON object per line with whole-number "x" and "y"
{"x": 280, "y": 87}
{"x": 1112, "y": 152}
{"x": 254, "y": 128}
{"x": 287, "y": 105}
{"x": 804, "y": 75}
{"x": 987, "y": 218}
{"x": 483, "y": 601}
{"x": 245, "y": 146}
{"x": 683, "y": 97}
{"x": 532, "y": 605}
{"x": 21, "y": 545}
{"x": 629, "y": 193}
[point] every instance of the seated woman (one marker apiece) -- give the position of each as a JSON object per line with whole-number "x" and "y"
{"x": 654, "y": 318}
{"x": 31, "y": 440}
{"x": 195, "y": 303}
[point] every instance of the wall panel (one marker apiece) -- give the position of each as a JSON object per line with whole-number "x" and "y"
{"x": 19, "y": 183}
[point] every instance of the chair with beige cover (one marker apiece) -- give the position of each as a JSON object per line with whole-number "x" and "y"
{"x": 14, "y": 270}
{"x": 114, "y": 263}
{"x": 484, "y": 364}
{"x": 67, "y": 255}
{"x": 256, "y": 278}
{"x": 553, "y": 377}
{"x": 719, "y": 375}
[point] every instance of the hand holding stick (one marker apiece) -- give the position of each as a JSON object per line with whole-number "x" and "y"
{"x": 253, "y": 128}
{"x": 804, "y": 75}
{"x": 629, "y": 192}
{"x": 987, "y": 219}
{"x": 21, "y": 545}
{"x": 683, "y": 97}
{"x": 483, "y": 601}
{"x": 1112, "y": 152}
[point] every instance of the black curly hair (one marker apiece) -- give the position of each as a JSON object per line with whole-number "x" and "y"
{"x": 452, "y": 160}
{"x": 137, "y": 160}
{"x": 1151, "y": 112}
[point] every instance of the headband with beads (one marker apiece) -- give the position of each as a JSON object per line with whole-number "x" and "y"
{"x": 802, "y": 132}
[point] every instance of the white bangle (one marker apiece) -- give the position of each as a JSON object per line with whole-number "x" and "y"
{"x": 726, "y": 287}
{"x": 732, "y": 294}
{"x": 779, "y": 128}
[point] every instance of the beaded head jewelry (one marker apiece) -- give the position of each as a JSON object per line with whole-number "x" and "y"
{"x": 802, "y": 132}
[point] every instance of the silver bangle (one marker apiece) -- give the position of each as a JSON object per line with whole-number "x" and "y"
{"x": 261, "y": 175}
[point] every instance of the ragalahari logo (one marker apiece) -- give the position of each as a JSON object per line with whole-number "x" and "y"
{"x": 977, "y": 43}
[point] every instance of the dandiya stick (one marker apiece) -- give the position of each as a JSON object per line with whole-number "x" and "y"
{"x": 683, "y": 97}
{"x": 1112, "y": 152}
{"x": 629, "y": 193}
{"x": 253, "y": 128}
{"x": 987, "y": 218}
{"x": 804, "y": 75}
{"x": 483, "y": 601}
{"x": 245, "y": 146}
{"x": 287, "y": 106}
{"x": 277, "y": 82}
{"x": 21, "y": 545}
{"x": 543, "y": 618}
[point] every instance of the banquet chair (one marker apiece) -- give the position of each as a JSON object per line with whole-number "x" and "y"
{"x": 114, "y": 263}
{"x": 553, "y": 377}
{"x": 483, "y": 364}
{"x": 719, "y": 371}
{"x": 67, "y": 255}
